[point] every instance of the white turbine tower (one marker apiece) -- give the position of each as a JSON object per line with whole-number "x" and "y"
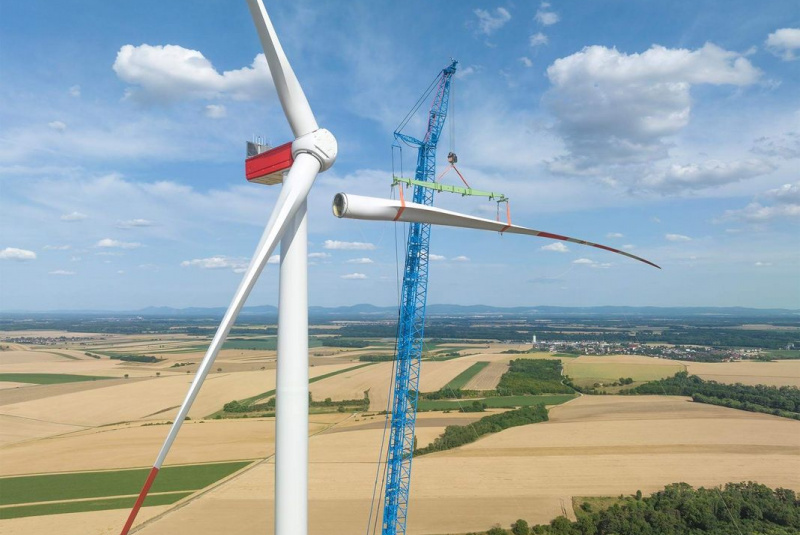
{"x": 313, "y": 151}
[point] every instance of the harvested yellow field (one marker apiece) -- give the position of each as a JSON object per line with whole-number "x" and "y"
{"x": 157, "y": 398}
{"x": 602, "y": 445}
{"x": 17, "y": 430}
{"x": 489, "y": 377}
{"x": 10, "y": 384}
{"x": 778, "y": 373}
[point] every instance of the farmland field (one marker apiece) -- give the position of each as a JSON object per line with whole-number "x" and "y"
{"x": 588, "y": 370}
{"x": 47, "y": 378}
{"x": 498, "y": 402}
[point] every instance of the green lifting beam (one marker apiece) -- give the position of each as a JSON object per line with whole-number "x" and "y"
{"x": 499, "y": 197}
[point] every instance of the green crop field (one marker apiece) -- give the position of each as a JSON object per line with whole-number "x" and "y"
{"x": 498, "y": 402}
{"x": 104, "y": 490}
{"x": 464, "y": 377}
{"x": 48, "y": 378}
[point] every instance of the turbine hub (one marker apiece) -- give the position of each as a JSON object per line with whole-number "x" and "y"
{"x": 320, "y": 144}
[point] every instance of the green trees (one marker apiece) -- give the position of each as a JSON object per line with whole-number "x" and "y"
{"x": 533, "y": 376}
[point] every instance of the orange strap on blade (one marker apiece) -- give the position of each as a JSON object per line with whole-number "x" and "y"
{"x": 402, "y": 204}
{"x": 508, "y": 217}
{"x": 443, "y": 173}
{"x": 461, "y": 176}
{"x": 140, "y": 500}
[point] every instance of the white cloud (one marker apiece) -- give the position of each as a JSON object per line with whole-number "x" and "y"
{"x": 238, "y": 265}
{"x": 73, "y": 216}
{"x": 773, "y": 204}
{"x": 56, "y": 247}
{"x": 784, "y": 43}
{"x": 526, "y": 61}
{"x": 360, "y": 261}
{"x": 677, "y": 237}
{"x": 785, "y": 145}
{"x": 274, "y": 259}
{"x": 75, "y": 91}
{"x": 538, "y": 39}
{"x": 615, "y": 235}
{"x": 461, "y": 258}
{"x": 61, "y": 272}
{"x": 319, "y": 255}
{"x": 348, "y": 245}
{"x": 617, "y": 108}
{"x": 120, "y": 272}
{"x": 131, "y": 223}
{"x": 12, "y": 253}
{"x": 354, "y": 276}
{"x": 628, "y": 246}
{"x": 216, "y": 111}
{"x": 116, "y": 244}
{"x": 170, "y": 73}
{"x": 762, "y": 264}
{"x": 488, "y": 23}
{"x": 545, "y": 17}
{"x": 591, "y": 263}
{"x": 705, "y": 175}
{"x": 558, "y": 247}
{"x": 436, "y": 257}
{"x": 58, "y": 126}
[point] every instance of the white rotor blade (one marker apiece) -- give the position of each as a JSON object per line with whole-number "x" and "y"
{"x": 293, "y": 194}
{"x": 294, "y": 102}
{"x": 375, "y": 209}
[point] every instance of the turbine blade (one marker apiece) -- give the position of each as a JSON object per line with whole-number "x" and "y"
{"x": 375, "y": 209}
{"x": 294, "y": 102}
{"x": 294, "y": 192}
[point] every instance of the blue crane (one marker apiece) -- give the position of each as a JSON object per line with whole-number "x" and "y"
{"x": 411, "y": 324}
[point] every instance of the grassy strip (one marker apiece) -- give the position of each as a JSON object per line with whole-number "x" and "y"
{"x": 498, "y": 402}
{"x": 48, "y": 378}
{"x": 52, "y": 487}
{"x": 268, "y": 393}
{"x": 88, "y": 505}
{"x": 458, "y": 435}
{"x": 464, "y": 377}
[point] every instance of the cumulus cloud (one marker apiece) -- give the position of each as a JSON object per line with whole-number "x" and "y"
{"x": 237, "y": 265}
{"x": 538, "y": 39}
{"x": 546, "y": 17}
{"x": 461, "y": 258}
{"x": 354, "y": 276}
{"x": 526, "y": 61}
{"x": 615, "y": 235}
{"x": 56, "y": 247}
{"x": 677, "y": 237}
{"x": 58, "y": 126}
{"x": 436, "y": 257}
{"x": 762, "y": 264}
{"x": 73, "y": 217}
{"x": 361, "y": 261}
{"x": 216, "y": 111}
{"x": 782, "y": 202}
{"x": 705, "y": 175}
{"x": 591, "y": 263}
{"x": 116, "y": 244}
{"x": 319, "y": 255}
{"x": 488, "y": 23}
{"x": 274, "y": 259}
{"x": 61, "y": 272}
{"x": 618, "y": 108}
{"x": 170, "y": 73}
{"x": 558, "y": 247}
{"x": 20, "y": 255}
{"x": 75, "y": 91}
{"x": 784, "y": 43}
{"x": 348, "y": 245}
{"x": 131, "y": 223}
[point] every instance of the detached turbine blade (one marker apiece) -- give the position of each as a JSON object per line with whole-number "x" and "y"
{"x": 375, "y": 209}
{"x": 294, "y": 102}
{"x": 294, "y": 192}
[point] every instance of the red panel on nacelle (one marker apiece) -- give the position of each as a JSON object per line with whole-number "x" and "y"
{"x": 268, "y": 167}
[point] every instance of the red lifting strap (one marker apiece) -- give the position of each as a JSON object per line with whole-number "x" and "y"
{"x": 508, "y": 218}
{"x": 402, "y": 204}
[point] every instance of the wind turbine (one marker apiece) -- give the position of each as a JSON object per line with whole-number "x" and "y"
{"x": 313, "y": 151}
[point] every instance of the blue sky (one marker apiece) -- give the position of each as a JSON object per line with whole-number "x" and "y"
{"x": 668, "y": 129}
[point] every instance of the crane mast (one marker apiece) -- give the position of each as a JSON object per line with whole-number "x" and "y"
{"x": 411, "y": 324}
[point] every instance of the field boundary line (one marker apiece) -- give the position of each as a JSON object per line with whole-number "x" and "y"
{"x": 92, "y": 499}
